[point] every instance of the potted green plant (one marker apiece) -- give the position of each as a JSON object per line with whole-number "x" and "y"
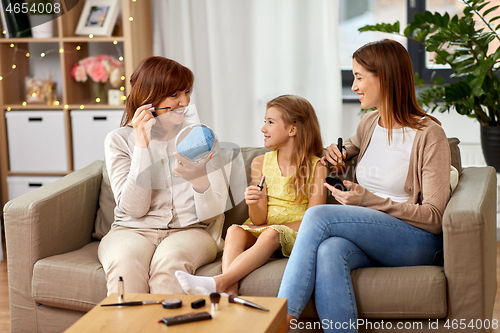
{"x": 463, "y": 43}
{"x": 41, "y": 14}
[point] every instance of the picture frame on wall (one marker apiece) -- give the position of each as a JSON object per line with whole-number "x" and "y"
{"x": 98, "y": 17}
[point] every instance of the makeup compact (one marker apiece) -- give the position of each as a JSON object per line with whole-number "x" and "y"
{"x": 171, "y": 303}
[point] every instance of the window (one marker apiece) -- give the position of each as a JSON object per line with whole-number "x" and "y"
{"x": 354, "y": 14}
{"x": 357, "y": 13}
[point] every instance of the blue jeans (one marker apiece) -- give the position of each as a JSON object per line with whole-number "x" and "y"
{"x": 335, "y": 239}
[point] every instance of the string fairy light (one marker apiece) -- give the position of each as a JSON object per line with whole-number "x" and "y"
{"x": 46, "y": 53}
{"x": 62, "y": 50}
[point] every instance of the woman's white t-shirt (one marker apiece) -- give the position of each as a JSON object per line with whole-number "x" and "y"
{"x": 383, "y": 169}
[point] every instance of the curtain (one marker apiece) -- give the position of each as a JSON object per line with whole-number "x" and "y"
{"x": 244, "y": 53}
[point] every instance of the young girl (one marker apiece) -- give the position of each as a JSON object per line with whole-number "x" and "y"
{"x": 293, "y": 182}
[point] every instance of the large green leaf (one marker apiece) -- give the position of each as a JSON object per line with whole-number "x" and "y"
{"x": 480, "y": 7}
{"x": 456, "y": 92}
{"x": 486, "y": 12}
{"x": 382, "y": 27}
{"x": 494, "y": 19}
{"x": 478, "y": 84}
{"x": 463, "y": 58}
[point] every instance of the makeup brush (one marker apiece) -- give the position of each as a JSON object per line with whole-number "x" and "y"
{"x": 235, "y": 299}
{"x": 214, "y": 299}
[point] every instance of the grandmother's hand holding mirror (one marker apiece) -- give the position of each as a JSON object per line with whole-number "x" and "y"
{"x": 195, "y": 146}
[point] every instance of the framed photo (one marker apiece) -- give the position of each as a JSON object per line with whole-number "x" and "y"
{"x": 98, "y": 17}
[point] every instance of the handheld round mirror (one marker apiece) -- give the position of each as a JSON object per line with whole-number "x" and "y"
{"x": 195, "y": 142}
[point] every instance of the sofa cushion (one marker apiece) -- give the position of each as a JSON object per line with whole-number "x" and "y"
{"x": 456, "y": 159}
{"x": 74, "y": 280}
{"x": 417, "y": 292}
{"x": 106, "y": 212}
{"x": 381, "y": 292}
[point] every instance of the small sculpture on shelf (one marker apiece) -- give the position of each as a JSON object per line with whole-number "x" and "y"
{"x": 100, "y": 69}
{"x": 40, "y": 91}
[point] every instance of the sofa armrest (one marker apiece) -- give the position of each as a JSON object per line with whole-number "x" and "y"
{"x": 55, "y": 219}
{"x": 469, "y": 236}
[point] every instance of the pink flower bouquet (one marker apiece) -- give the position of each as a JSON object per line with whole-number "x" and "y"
{"x": 102, "y": 68}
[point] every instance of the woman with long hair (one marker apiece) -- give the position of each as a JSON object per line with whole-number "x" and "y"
{"x": 392, "y": 214}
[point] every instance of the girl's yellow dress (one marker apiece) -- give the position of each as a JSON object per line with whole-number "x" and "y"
{"x": 281, "y": 208}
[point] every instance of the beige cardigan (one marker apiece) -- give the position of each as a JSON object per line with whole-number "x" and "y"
{"x": 147, "y": 195}
{"x": 428, "y": 180}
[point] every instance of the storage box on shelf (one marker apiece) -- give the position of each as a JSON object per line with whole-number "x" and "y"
{"x": 19, "y": 185}
{"x": 131, "y": 39}
{"x": 89, "y": 131}
{"x": 37, "y": 141}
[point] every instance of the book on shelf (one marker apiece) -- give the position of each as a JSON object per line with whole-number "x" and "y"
{"x": 15, "y": 23}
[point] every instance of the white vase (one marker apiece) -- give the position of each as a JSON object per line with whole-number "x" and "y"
{"x": 42, "y": 26}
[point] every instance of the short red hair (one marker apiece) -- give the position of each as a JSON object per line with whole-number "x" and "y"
{"x": 155, "y": 79}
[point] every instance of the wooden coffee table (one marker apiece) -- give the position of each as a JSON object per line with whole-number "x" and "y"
{"x": 144, "y": 318}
